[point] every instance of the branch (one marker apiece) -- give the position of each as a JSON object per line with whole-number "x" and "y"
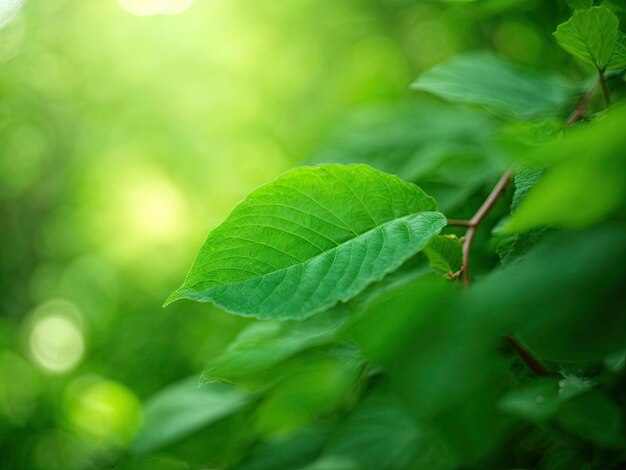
{"x": 525, "y": 355}
{"x": 475, "y": 221}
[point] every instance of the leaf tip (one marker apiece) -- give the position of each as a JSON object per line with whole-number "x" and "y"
{"x": 173, "y": 297}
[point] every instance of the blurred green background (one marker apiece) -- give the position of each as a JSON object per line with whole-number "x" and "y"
{"x": 129, "y": 129}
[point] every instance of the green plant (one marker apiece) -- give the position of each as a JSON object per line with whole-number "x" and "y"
{"x": 373, "y": 350}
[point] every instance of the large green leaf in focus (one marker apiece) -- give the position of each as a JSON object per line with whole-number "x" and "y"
{"x": 593, "y": 36}
{"x": 313, "y": 237}
{"x": 484, "y": 79}
{"x": 182, "y": 409}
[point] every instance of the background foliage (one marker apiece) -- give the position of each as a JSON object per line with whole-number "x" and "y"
{"x": 124, "y": 139}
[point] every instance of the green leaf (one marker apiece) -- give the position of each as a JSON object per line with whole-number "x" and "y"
{"x": 618, "y": 58}
{"x": 317, "y": 386}
{"x": 585, "y": 186}
{"x": 499, "y": 86}
{"x": 445, "y": 253}
{"x": 590, "y": 35}
{"x": 578, "y": 4}
{"x": 535, "y": 402}
{"x": 291, "y": 451}
{"x": 183, "y": 408}
{"x": 381, "y": 434}
{"x": 265, "y": 344}
{"x": 594, "y": 417}
{"x": 313, "y": 237}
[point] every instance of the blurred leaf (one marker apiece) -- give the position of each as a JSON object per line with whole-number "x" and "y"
{"x": 183, "y": 408}
{"x": 413, "y": 140}
{"x": 536, "y": 402}
{"x": 333, "y": 462}
{"x": 381, "y": 434}
{"x": 264, "y": 344}
{"x": 311, "y": 238}
{"x": 445, "y": 253}
{"x": 292, "y": 451}
{"x": 484, "y": 79}
{"x": 381, "y": 335}
{"x": 562, "y": 299}
{"x": 578, "y": 4}
{"x": 594, "y": 417}
{"x": 316, "y": 385}
{"x": 592, "y": 35}
{"x": 586, "y": 185}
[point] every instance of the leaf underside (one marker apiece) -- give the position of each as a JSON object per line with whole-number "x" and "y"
{"x": 313, "y": 237}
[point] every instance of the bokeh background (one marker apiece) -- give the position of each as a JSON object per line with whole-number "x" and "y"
{"x": 129, "y": 129}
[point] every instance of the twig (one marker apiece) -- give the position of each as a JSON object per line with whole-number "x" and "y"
{"x": 531, "y": 361}
{"x": 606, "y": 94}
{"x": 526, "y": 356}
{"x": 475, "y": 221}
{"x": 458, "y": 223}
{"x": 581, "y": 109}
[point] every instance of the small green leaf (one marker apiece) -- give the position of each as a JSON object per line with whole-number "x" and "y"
{"x": 183, "y": 408}
{"x": 499, "y": 86}
{"x": 444, "y": 253}
{"x": 312, "y": 238}
{"x": 591, "y": 35}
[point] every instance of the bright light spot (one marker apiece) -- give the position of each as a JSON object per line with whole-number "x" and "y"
{"x": 56, "y": 340}
{"x": 104, "y": 411}
{"x": 8, "y": 10}
{"x": 155, "y": 7}
{"x": 153, "y": 209}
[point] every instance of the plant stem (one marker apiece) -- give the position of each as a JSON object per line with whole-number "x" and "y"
{"x": 525, "y": 355}
{"x": 472, "y": 225}
{"x": 475, "y": 221}
{"x": 581, "y": 109}
{"x": 606, "y": 94}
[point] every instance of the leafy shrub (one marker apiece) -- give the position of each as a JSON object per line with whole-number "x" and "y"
{"x": 449, "y": 319}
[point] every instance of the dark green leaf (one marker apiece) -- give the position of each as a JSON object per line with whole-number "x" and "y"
{"x": 313, "y": 237}
{"x": 381, "y": 434}
{"x": 593, "y": 416}
{"x": 578, "y": 4}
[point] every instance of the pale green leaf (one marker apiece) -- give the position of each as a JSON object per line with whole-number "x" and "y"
{"x": 182, "y": 409}
{"x": 486, "y": 80}
{"x": 312, "y": 238}
{"x": 590, "y": 35}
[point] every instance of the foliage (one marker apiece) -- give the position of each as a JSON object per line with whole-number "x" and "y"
{"x": 439, "y": 287}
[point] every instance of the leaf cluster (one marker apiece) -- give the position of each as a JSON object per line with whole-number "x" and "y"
{"x": 366, "y": 351}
